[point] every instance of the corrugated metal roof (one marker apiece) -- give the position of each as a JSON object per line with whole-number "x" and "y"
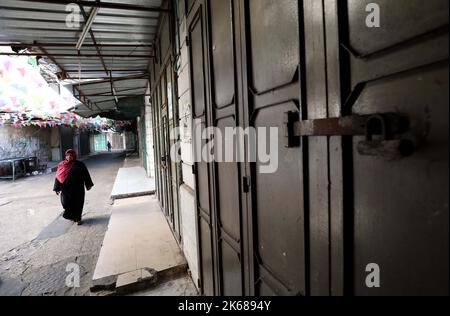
{"x": 124, "y": 37}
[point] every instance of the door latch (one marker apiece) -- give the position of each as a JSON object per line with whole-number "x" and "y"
{"x": 385, "y": 132}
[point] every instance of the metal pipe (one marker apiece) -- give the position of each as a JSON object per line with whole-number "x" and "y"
{"x": 87, "y": 27}
{"x": 91, "y": 18}
{"x": 106, "y": 5}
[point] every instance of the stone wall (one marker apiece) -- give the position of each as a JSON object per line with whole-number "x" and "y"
{"x": 25, "y": 142}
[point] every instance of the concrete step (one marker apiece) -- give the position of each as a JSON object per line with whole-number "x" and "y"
{"x": 139, "y": 250}
{"x": 132, "y": 182}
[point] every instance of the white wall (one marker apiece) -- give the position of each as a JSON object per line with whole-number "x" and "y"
{"x": 149, "y": 136}
{"x": 187, "y": 189}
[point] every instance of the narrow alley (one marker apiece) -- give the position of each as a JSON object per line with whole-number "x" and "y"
{"x": 37, "y": 244}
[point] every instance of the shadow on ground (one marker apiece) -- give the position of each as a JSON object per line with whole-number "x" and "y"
{"x": 94, "y": 221}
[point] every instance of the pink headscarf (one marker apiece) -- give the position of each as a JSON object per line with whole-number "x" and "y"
{"x": 65, "y": 166}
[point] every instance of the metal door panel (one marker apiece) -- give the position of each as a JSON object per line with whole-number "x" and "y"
{"x": 400, "y": 21}
{"x": 197, "y": 66}
{"x": 203, "y": 183}
{"x": 277, "y": 208}
{"x": 278, "y": 218}
{"x": 66, "y": 135}
{"x": 401, "y": 206}
{"x": 231, "y": 269}
{"x": 173, "y": 139}
{"x": 226, "y": 174}
{"x": 229, "y": 220}
{"x": 318, "y": 148}
{"x": 207, "y": 261}
{"x": 165, "y": 171}
{"x": 156, "y": 132}
{"x": 399, "y": 60}
{"x": 204, "y": 215}
{"x": 222, "y": 52}
{"x": 274, "y": 32}
{"x": 228, "y": 191}
{"x": 160, "y": 145}
{"x": 264, "y": 290}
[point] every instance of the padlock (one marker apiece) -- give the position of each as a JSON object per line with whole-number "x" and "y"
{"x": 387, "y": 126}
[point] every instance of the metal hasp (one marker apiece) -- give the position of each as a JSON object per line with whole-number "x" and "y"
{"x": 386, "y": 133}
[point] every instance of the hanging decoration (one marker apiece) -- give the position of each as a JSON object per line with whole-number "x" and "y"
{"x": 27, "y": 100}
{"x": 24, "y": 90}
{"x": 19, "y": 120}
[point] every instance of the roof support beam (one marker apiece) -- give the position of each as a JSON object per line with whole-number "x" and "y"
{"x": 123, "y": 96}
{"x": 30, "y": 45}
{"x": 77, "y": 55}
{"x": 105, "y": 79}
{"x": 92, "y": 16}
{"x": 102, "y": 94}
{"x": 142, "y": 76}
{"x": 106, "y": 5}
{"x": 87, "y": 27}
{"x": 66, "y": 75}
{"x": 102, "y": 70}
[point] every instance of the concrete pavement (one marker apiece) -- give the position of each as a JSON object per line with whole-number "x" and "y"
{"x": 132, "y": 182}
{"x": 139, "y": 252}
{"x": 39, "y": 248}
{"x": 37, "y": 245}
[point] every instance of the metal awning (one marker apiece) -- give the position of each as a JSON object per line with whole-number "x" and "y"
{"x": 116, "y": 51}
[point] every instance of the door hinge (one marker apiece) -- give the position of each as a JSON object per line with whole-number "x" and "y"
{"x": 246, "y": 184}
{"x": 194, "y": 169}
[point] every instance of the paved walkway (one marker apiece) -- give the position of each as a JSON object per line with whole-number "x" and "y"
{"x": 139, "y": 250}
{"x": 37, "y": 245}
{"x": 132, "y": 182}
{"x": 138, "y": 245}
{"x": 39, "y": 249}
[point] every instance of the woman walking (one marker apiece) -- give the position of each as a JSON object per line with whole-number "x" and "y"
{"x": 72, "y": 177}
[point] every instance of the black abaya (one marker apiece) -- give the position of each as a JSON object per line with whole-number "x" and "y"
{"x": 73, "y": 191}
